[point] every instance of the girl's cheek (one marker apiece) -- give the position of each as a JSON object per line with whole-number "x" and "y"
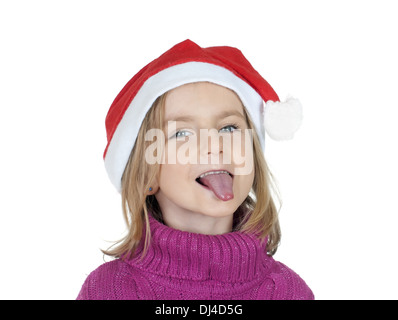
{"x": 181, "y": 151}
{"x": 242, "y": 152}
{"x": 187, "y": 152}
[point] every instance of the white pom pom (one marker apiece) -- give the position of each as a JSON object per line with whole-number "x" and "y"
{"x": 283, "y": 119}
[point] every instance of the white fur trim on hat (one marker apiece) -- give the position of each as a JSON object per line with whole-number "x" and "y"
{"x": 283, "y": 119}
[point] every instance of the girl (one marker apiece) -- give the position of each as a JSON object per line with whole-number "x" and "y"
{"x": 185, "y": 150}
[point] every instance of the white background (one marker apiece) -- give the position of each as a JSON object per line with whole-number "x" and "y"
{"x": 62, "y": 64}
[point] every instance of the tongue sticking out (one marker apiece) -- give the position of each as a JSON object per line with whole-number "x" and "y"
{"x": 220, "y": 184}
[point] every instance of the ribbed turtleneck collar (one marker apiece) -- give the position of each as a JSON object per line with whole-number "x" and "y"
{"x": 232, "y": 257}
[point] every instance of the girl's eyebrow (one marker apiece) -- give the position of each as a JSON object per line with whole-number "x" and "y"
{"x": 221, "y": 115}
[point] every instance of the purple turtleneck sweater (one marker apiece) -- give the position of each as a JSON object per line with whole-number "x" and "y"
{"x": 184, "y": 265}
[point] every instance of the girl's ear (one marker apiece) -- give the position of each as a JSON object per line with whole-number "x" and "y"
{"x": 153, "y": 188}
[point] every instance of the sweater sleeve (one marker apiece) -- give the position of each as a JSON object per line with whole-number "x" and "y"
{"x": 105, "y": 282}
{"x": 90, "y": 287}
{"x": 84, "y": 294}
{"x": 289, "y": 285}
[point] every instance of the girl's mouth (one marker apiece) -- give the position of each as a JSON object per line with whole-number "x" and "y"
{"x": 218, "y": 181}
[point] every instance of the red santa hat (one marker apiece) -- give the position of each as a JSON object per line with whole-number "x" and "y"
{"x": 185, "y": 63}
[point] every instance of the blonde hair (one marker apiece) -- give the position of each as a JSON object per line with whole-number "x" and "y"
{"x": 257, "y": 214}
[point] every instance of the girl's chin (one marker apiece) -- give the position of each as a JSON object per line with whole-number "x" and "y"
{"x": 217, "y": 209}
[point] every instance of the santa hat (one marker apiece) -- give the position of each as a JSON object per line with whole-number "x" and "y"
{"x": 185, "y": 63}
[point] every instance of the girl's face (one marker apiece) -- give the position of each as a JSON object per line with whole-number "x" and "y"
{"x": 204, "y": 133}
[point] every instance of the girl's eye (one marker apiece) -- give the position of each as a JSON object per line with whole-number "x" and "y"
{"x": 229, "y": 128}
{"x": 182, "y": 134}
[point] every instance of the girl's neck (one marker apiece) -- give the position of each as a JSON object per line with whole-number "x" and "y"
{"x": 197, "y": 222}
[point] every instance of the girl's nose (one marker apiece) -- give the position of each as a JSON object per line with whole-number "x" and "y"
{"x": 210, "y": 142}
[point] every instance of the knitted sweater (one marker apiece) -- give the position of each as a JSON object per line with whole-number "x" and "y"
{"x": 183, "y": 265}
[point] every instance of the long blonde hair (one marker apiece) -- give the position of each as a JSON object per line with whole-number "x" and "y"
{"x": 257, "y": 214}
